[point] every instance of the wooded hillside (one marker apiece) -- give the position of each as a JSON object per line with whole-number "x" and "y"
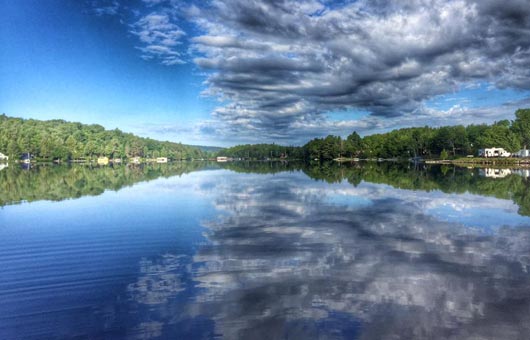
{"x": 58, "y": 139}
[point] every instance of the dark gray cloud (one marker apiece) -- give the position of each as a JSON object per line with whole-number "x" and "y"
{"x": 280, "y": 64}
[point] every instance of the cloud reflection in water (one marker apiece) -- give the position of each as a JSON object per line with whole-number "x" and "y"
{"x": 159, "y": 280}
{"x": 285, "y": 261}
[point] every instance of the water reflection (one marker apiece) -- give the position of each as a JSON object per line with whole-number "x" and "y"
{"x": 372, "y": 251}
{"x": 514, "y": 184}
{"x": 159, "y": 281}
{"x": 494, "y": 173}
{"x": 289, "y": 257}
{"x": 501, "y": 173}
{"x": 65, "y": 182}
{"x": 52, "y": 182}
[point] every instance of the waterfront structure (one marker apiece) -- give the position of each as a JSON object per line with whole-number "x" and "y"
{"x": 3, "y": 157}
{"x": 222, "y": 159}
{"x": 493, "y": 152}
{"x": 161, "y": 160}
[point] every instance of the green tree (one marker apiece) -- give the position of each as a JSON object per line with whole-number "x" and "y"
{"x": 353, "y": 145}
{"x": 451, "y": 137}
{"x": 13, "y": 150}
{"x": 499, "y": 135}
{"x": 521, "y": 126}
{"x": 71, "y": 147}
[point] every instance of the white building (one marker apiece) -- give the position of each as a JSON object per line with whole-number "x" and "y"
{"x": 161, "y": 160}
{"x": 493, "y": 152}
{"x": 3, "y": 157}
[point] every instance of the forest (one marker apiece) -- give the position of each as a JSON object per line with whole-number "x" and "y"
{"x": 426, "y": 142}
{"x": 60, "y": 140}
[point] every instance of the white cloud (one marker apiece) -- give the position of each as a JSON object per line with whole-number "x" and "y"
{"x": 105, "y": 7}
{"x": 160, "y": 37}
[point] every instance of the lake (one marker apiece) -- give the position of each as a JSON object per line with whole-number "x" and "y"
{"x": 264, "y": 251}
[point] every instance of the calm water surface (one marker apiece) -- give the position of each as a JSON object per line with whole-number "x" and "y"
{"x": 264, "y": 251}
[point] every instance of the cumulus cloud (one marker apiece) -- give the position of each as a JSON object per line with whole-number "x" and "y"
{"x": 279, "y": 65}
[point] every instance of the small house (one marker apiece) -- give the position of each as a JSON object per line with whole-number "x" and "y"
{"x": 103, "y": 160}
{"x": 161, "y": 159}
{"x": 222, "y": 159}
{"x": 3, "y": 157}
{"x": 493, "y": 152}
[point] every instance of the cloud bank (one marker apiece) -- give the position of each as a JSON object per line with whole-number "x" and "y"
{"x": 279, "y": 65}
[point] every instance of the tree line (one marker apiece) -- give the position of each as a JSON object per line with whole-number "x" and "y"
{"x": 262, "y": 152}
{"x": 61, "y": 140}
{"x": 425, "y": 142}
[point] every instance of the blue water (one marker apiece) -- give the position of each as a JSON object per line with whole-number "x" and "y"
{"x": 65, "y": 266}
{"x": 219, "y": 254}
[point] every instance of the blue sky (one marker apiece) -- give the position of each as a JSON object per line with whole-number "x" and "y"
{"x": 234, "y": 71}
{"x": 61, "y": 60}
